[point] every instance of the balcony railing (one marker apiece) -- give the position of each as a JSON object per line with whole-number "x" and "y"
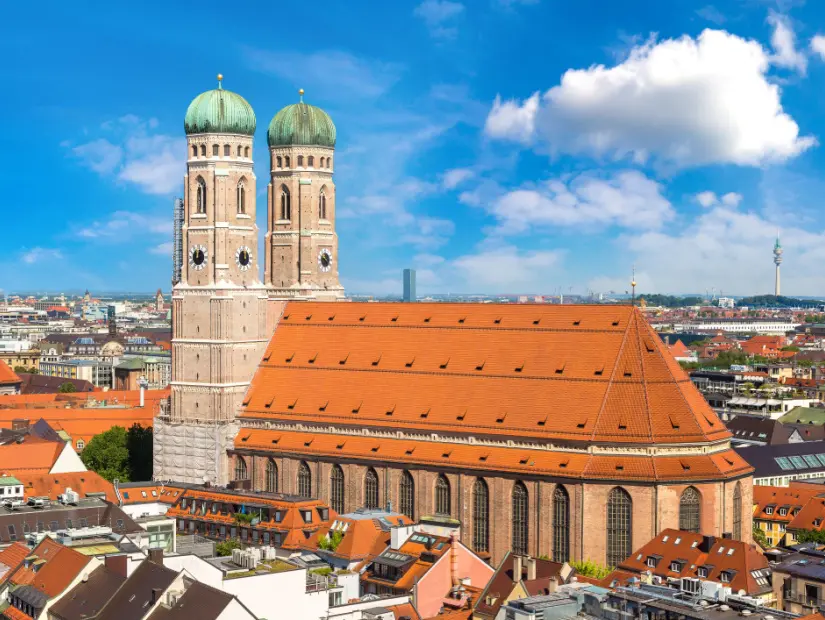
{"x": 803, "y": 599}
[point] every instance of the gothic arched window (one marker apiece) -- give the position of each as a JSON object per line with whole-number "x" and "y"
{"x": 406, "y": 494}
{"x": 271, "y": 476}
{"x": 329, "y": 162}
{"x": 321, "y": 163}
{"x": 336, "y": 489}
{"x": 561, "y": 525}
{"x": 286, "y": 207}
{"x": 239, "y": 150}
{"x": 304, "y": 480}
{"x": 442, "y": 495}
{"x": 242, "y": 196}
{"x": 690, "y": 510}
{"x": 737, "y": 512}
{"x": 322, "y": 204}
{"x": 203, "y": 150}
{"x": 300, "y": 161}
{"x": 521, "y": 523}
{"x": 619, "y": 526}
{"x": 241, "y": 472}
{"x": 279, "y": 162}
{"x": 286, "y": 161}
{"x": 215, "y": 149}
{"x": 201, "y": 196}
{"x": 194, "y": 150}
{"x": 246, "y": 152}
{"x": 481, "y": 516}
{"x": 310, "y": 161}
{"x": 371, "y": 489}
{"x": 226, "y": 150}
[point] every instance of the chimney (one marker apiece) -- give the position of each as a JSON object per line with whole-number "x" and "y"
{"x": 707, "y": 544}
{"x": 454, "y": 559}
{"x": 117, "y": 564}
{"x": 156, "y": 592}
{"x": 517, "y": 560}
{"x": 156, "y": 556}
{"x": 531, "y": 568}
{"x": 552, "y": 585}
{"x": 142, "y": 402}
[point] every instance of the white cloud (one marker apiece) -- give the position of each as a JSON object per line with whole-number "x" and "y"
{"x": 123, "y": 225}
{"x": 457, "y": 176}
{"x": 732, "y": 199}
{"x": 706, "y": 199}
{"x": 711, "y": 14}
{"x": 680, "y": 101}
{"x": 726, "y": 249}
{"x": 627, "y": 198}
{"x": 132, "y": 153}
{"x": 436, "y": 14}
{"x": 327, "y": 73}
{"x": 37, "y": 254}
{"x": 504, "y": 269}
{"x": 163, "y": 249}
{"x": 818, "y": 45}
{"x": 783, "y": 41}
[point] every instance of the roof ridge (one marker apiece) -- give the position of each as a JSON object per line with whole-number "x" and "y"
{"x": 644, "y": 384}
{"x": 610, "y": 382}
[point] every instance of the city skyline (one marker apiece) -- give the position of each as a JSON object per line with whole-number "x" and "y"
{"x": 491, "y": 160}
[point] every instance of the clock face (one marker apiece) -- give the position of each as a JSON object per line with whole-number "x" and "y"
{"x": 197, "y": 257}
{"x": 325, "y": 260}
{"x": 243, "y": 258}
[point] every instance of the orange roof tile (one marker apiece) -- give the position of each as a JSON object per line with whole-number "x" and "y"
{"x": 474, "y": 457}
{"x": 7, "y": 375}
{"x": 769, "y": 502}
{"x": 496, "y": 369}
{"x": 14, "y": 554}
{"x": 60, "y": 568}
{"x": 52, "y": 485}
{"x": 29, "y": 457}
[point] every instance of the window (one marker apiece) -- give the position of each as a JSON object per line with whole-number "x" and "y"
{"x": 226, "y": 150}
{"x": 304, "y": 480}
{"x": 242, "y": 195}
{"x": 300, "y": 161}
{"x": 321, "y": 163}
{"x": 406, "y": 494}
{"x": 481, "y": 516}
{"x": 619, "y": 526}
{"x": 271, "y": 476}
{"x": 675, "y": 567}
{"x": 310, "y": 161}
{"x": 239, "y": 150}
{"x": 214, "y": 150}
{"x": 561, "y": 525}
{"x": 203, "y": 150}
{"x": 241, "y": 472}
{"x": 336, "y": 489}
{"x": 689, "y": 510}
{"x": 322, "y": 204}
{"x": 652, "y": 562}
{"x": 702, "y": 572}
{"x": 769, "y": 510}
{"x": 442, "y": 495}
{"x": 737, "y": 512}
{"x": 724, "y": 576}
{"x": 520, "y": 518}
{"x": 194, "y": 150}
{"x": 286, "y": 161}
{"x": 371, "y": 489}
{"x": 201, "y": 195}
{"x": 286, "y": 207}
{"x": 279, "y": 162}
{"x": 81, "y": 444}
{"x": 12, "y": 533}
{"x": 329, "y": 162}
{"x": 246, "y": 152}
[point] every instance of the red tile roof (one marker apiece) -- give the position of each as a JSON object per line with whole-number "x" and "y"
{"x": 7, "y": 376}
{"x": 496, "y": 369}
{"x": 13, "y": 555}
{"x": 61, "y": 566}
{"x": 771, "y": 502}
{"x": 33, "y": 456}
{"x": 52, "y": 485}
{"x": 734, "y": 557}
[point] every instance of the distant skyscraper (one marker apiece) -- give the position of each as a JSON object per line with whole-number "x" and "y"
{"x": 777, "y": 260}
{"x": 409, "y": 285}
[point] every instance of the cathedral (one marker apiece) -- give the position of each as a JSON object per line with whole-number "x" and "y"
{"x": 561, "y": 431}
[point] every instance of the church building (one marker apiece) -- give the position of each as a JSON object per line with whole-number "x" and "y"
{"x": 560, "y": 431}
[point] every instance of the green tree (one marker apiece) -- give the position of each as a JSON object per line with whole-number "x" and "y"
{"x": 331, "y": 541}
{"x": 139, "y": 446}
{"x": 67, "y": 388}
{"x": 804, "y": 536}
{"x": 108, "y": 455}
{"x": 19, "y": 369}
{"x": 226, "y": 547}
{"x": 588, "y": 568}
{"x": 759, "y": 537}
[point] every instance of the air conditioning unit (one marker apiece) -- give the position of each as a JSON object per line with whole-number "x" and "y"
{"x": 69, "y": 497}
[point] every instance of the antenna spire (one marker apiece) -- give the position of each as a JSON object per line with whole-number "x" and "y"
{"x": 633, "y": 287}
{"x": 220, "y": 79}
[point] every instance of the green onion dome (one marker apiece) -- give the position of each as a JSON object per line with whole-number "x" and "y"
{"x": 301, "y": 124}
{"x": 220, "y": 111}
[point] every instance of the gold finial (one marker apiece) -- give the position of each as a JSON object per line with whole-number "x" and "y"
{"x": 633, "y": 287}
{"x": 301, "y": 94}
{"x": 220, "y": 79}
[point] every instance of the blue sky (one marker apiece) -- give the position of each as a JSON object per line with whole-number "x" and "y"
{"x": 510, "y": 146}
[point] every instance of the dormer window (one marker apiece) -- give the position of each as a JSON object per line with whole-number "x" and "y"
{"x": 724, "y": 576}
{"x": 783, "y": 511}
{"x": 702, "y": 572}
{"x": 652, "y": 561}
{"x": 676, "y": 566}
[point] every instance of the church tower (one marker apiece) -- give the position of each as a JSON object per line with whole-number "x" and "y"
{"x": 301, "y": 244}
{"x": 219, "y": 306}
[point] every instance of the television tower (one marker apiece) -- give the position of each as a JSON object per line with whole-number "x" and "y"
{"x": 777, "y": 260}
